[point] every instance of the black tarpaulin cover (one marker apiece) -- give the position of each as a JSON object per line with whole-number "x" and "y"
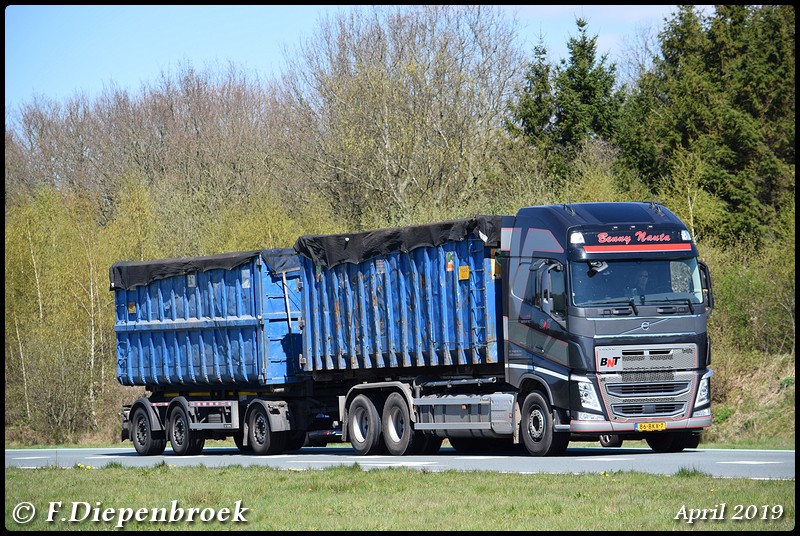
{"x": 331, "y": 250}
{"x": 129, "y": 274}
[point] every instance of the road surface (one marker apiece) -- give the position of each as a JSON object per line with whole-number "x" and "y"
{"x": 753, "y": 464}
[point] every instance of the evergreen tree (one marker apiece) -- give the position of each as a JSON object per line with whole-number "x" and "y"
{"x": 533, "y": 113}
{"x": 722, "y": 90}
{"x": 560, "y": 108}
{"x": 587, "y": 104}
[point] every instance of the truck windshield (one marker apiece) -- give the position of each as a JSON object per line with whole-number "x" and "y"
{"x": 643, "y": 281}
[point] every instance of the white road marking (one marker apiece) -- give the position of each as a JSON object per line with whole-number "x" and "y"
{"x": 748, "y": 462}
{"x": 375, "y": 463}
{"x": 605, "y": 459}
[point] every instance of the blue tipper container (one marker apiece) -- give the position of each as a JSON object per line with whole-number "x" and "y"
{"x": 420, "y": 296}
{"x": 228, "y": 320}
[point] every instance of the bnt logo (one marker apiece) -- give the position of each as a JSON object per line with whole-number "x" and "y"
{"x": 609, "y": 362}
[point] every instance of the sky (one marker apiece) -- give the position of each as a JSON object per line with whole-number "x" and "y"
{"x": 58, "y": 52}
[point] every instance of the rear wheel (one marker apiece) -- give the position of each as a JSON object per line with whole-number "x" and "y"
{"x": 197, "y": 446}
{"x": 142, "y": 435}
{"x": 261, "y": 437}
{"x": 537, "y": 428}
{"x": 180, "y": 435}
{"x": 364, "y": 426}
{"x": 398, "y": 434}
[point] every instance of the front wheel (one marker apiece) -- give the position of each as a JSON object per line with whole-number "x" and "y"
{"x": 537, "y": 428}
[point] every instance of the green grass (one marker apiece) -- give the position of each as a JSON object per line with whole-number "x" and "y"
{"x": 349, "y": 498}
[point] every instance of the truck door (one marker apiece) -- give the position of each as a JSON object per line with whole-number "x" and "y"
{"x": 542, "y": 310}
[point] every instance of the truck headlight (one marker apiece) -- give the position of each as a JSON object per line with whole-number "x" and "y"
{"x": 704, "y": 390}
{"x": 588, "y": 395}
{"x": 583, "y": 416}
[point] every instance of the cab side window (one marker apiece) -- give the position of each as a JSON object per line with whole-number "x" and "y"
{"x": 559, "y": 292}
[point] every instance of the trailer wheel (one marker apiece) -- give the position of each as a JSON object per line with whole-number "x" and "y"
{"x": 537, "y": 428}
{"x": 262, "y": 439}
{"x": 398, "y": 434}
{"x": 610, "y": 440}
{"x": 198, "y": 443}
{"x": 142, "y": 435}
{"x": 364, "y": 426}
{"x": 180, "y": 436}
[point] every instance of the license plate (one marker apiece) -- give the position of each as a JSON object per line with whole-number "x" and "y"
{"x": 650, "y": 426}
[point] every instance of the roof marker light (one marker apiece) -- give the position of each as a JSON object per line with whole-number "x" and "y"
{"x": 576, "y": 238}
{"x": 686, "y": 236}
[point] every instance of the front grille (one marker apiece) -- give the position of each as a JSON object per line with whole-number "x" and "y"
{"x": 651, "y": 380}
{"x": 649, "y": 410}
{"x": 647, "y": 389}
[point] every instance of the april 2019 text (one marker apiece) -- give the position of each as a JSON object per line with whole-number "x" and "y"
{"x": 736, "y": 512}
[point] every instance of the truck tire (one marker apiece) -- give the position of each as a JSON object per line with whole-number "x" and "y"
{"x": 537, "y": 428}
{"x": 364, "y": 426}
{"x": 142, "y": 435}
{"x": 690, "y": 440}
{"x": 181, "y": 438}
{"x": 198, "y": 443}
{"x": 238, "y": 439}
{"x": 610, "y": 440}
{"x": 295, "y": 440}
{"x": 262, "y": 439}
{"x": 398, "y": 433}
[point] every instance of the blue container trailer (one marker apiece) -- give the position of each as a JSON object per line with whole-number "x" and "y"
{"x": 427, "y": 307}
{"x": 227, "y": 320}
{"x": 488, "y": 331}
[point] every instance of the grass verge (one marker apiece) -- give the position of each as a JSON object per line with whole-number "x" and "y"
{"x": 349, "y": 498}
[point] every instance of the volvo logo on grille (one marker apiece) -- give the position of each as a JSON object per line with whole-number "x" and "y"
{"x": 645, "y": 325}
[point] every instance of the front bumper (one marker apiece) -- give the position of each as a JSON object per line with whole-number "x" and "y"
{"x": 608, "y": 427}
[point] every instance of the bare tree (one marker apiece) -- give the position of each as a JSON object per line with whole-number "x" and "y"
{"x": 400, "y": 107}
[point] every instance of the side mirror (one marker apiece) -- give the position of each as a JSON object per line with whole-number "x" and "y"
{"x": 705, "y": 281}
{"x": 546, "y": 285}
